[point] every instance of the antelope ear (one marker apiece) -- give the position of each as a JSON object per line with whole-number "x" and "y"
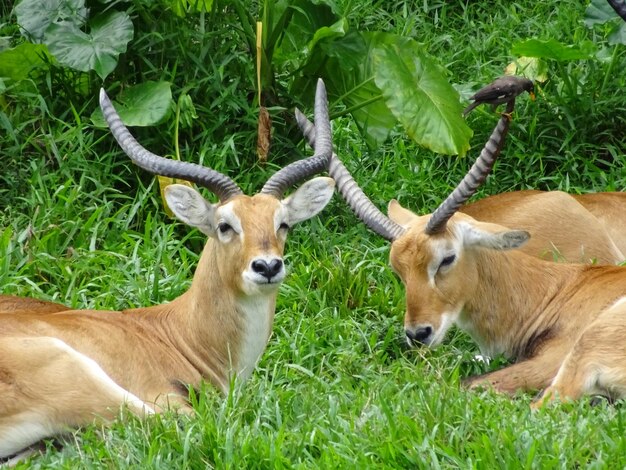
{"x": 399, "y": 214}
{"x": 309, "y": 199}
{"x": 190, "y": 207}
{"x": 493, "y": 236}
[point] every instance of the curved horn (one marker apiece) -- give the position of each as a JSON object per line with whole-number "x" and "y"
{"x": 360, "y": 204}
{"x": 620, "y": 7}
{"x": 474, "y": 177}
{"x": 302, "y": 169}
{"x": 220, "y": 184}
{"x": 354, "y": 196}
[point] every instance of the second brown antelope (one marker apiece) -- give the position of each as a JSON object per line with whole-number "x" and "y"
{"x": 577, "y": 228}
{"x": 460, "y": 270}
{"x": 60, "y": 368}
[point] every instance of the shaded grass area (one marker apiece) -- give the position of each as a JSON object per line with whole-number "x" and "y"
{"x": 336, "y": 388}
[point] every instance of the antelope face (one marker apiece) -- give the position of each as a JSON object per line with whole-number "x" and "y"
{"x": 440, "y": 272}
{"x": 436, "y": 278}
{"x": 250, "y": 231}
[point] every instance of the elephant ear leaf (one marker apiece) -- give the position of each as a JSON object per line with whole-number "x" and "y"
{"x": 146, "y": 104}
{"x": 601, "y": 12}
{"x": 419, "y": 96}
{"x": 98, "y": 50}
{"x": 554, "y": 50}
{"x": 36, "y": 16}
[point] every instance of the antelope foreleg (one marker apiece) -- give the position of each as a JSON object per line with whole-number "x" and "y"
{"x": 596, "y": 364}
{"x": 528, "y": 375}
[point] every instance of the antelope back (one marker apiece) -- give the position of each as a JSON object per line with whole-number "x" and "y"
{"x": 12, "y": 304}
{"x": 609, "y": 209}
{"x": 579, "y": 228}
{"x": 440, "y": 271}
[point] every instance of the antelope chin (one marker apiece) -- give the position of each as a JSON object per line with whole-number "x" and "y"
{"x": 253, "y": 283}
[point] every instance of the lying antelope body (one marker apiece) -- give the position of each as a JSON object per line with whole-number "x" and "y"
{"x": 531, "y": 311}
{"x": 458, "y": 270}
{"x": 586, "y": 228}
{"x": 577, "y": 228}
{"x": 61, "y": 368}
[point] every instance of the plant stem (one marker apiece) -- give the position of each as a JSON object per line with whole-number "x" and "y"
{"x": 360, "y": 85}
{"x": 566, "y": 79}
{"x": 609, "y": 70}
{"x": 356, "y": 107}
{"x": 176, "y": 122}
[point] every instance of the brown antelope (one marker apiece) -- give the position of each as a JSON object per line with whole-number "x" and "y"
{"x": 61, "y": 368}
{"x": 12, "y": 304}
{"x": 458, "y": 270}
{"x": 567, "y": 227}
{"x": 586, "y": 228}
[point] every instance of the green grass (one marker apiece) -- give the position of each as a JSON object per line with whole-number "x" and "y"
{"x": 336, "y": 387}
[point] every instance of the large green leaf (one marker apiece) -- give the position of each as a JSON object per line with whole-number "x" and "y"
{"x": 418, "y": 94}
{"x": 326, "y": 33}
{"x": 553, "y": 49}
{"x": 329, "y": 3}
{"x": 342, "y": 58}
{"x": 17, "y": 63}
{"x": 35, "y": 16}
{"x": 600, "y": 12}
{"x": 530, "y": 67}
{"x": 368, "y": 108}
{"x": 98, "y": 50}
{"x": 345, "y": 59}
{"x": 348, "y": 71}
{"x": 306, "y": 18}
{"x": 349, "y": 50}
{"x": 618, "y": 34}
{"x": 146, "y": 104}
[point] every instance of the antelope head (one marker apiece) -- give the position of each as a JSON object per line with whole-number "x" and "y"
{"x": 432, "y": 254}
{"x": 248, "y": 232}
{"x": 440, "y": 269}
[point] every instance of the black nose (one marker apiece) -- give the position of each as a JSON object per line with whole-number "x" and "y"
{"x": 268, "y": 270}
{"x": 419, "y": 335}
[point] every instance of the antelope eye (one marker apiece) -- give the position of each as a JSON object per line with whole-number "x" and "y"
{"x": 283, "y": 226}
{"x": 447, "y": 261}
{"x": 224, "y": 227}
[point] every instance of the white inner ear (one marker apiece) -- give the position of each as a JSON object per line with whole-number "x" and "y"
{"x": 501, "y": 240}
{"x": 309, "y": 199}
{"x": 190, "y": 207}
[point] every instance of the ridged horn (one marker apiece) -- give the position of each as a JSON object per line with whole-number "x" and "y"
{"x": 620, "y": 7}
{"x": 474, "y": 177}
{"x": 218, "y": 183}
{"x": 302, "y": 169}
{"x": 354, "y": 196}
{"x": 360, "y": 204}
